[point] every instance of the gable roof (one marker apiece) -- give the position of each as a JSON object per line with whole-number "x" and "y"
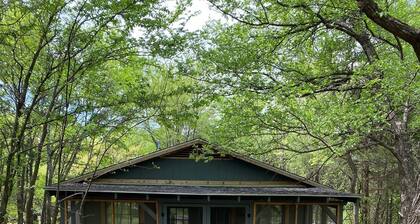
{"x": 181, "y": 146}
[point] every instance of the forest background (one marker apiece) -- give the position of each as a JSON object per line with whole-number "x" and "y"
{"x": 325, "y": 89}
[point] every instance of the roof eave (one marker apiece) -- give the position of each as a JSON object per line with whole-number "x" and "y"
{"x": 347, "y": 196}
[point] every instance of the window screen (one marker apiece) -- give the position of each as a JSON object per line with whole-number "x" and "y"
{"x": 227, "y": 215}
{"x": 135, "y": 213}
{"x": 94, "y": 212}
{"x": 317, "y": 214}
{"x": 185, "y": 215}
{"x": 275, "y": 214}
{"x": 107, "y": 212}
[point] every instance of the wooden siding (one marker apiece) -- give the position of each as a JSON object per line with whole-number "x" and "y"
{"x": 180, "y": 151}
{"x": 188, "y": 171}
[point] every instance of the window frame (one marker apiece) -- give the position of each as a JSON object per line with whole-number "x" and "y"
{"x": 113, "y": 201}
{"x": 182, "y": 205}
{"x": 206, "y": 206}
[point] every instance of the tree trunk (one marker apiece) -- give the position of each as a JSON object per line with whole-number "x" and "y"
{"x": 40, "y": 146}
{"x": 408, "y": 167}
{"x": 20, "y": 193}
{"x": 353, "y": 168}
{"x": 29, "y": 214}
{"x": 391, "y": 210}
{"x": 10, "y": 171}
{"x": 410, "y": 193}
{"x": 7, "y": 188}
{"x": 365, "y": 210}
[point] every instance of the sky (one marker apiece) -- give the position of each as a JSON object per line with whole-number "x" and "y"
{"x": 206, "y": 13}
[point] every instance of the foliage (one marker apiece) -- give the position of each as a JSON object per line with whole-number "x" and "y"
{"x": 319, "y": 79}
{"x": 326, "y": 89}
{"x": 74, "y": 82}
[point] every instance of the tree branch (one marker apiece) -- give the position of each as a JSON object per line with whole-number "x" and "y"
{"x": 395, "y": 26}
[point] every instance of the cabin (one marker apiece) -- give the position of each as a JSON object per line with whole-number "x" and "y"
{"x": 173, "y": 186}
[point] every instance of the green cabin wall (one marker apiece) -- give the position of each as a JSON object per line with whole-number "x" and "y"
{"x": 189, "y": 169}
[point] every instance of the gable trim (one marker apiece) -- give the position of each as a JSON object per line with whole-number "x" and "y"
{"x": 224, "y": 183}
{"x": 172, "y": 149}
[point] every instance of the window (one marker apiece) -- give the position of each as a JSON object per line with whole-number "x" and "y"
{"x": 227, "y": 215}
{"x": 275, "y": 214}
{"x": 93, "y": 212}
{"x": 271, "y": 213}
{"x": 108, "y": 212}
{"x": 185, "y": 215}
{"x": 317, "y": 214}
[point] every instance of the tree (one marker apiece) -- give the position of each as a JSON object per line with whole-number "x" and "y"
{"x": 307, "y": 76}
{"x": 57, "y": 95}
{"x": 393, "y": 25}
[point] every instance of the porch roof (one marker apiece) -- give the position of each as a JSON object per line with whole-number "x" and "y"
{"x": 206, "y": 190}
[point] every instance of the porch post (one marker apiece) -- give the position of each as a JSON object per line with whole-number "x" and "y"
{"x": 340, "y": 218}
{"x": 356, "y": 212}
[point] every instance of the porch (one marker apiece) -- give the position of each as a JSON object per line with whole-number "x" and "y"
{"x": 183, "y": 209}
